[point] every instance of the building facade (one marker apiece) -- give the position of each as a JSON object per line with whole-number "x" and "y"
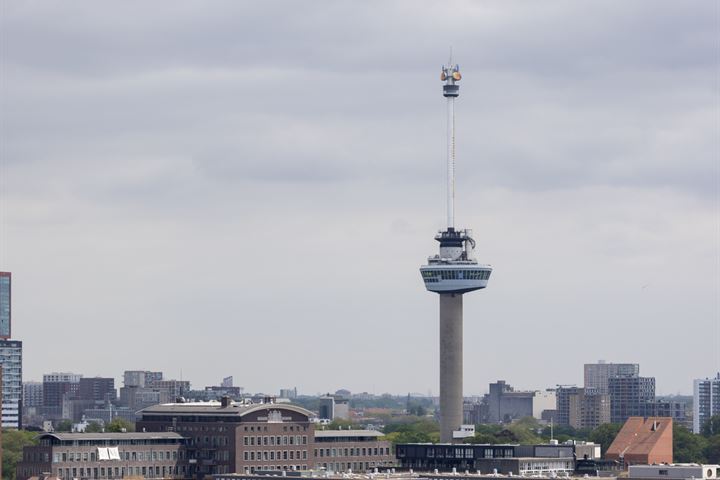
{"x": 226, "y": 437}
{"x": 597, "y": 375}
{"x": 5, "y": 305}
{"x": 630, "y": 397}
{"x": 706, "y": 401}
{"x": 97, "y": 389}
{"x": 488, "y": 459}
{"x": 12, "y": 387}
{"x": 69, "y": 456}
{"x": 351, "y": 450}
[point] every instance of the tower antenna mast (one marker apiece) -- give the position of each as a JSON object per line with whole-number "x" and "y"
{"x": 450, "y": 75}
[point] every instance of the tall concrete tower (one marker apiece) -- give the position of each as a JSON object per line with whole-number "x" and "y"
{"x": 451, "y": 273}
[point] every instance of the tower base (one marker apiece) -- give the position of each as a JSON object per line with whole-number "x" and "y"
{"x": 451, "y": 366}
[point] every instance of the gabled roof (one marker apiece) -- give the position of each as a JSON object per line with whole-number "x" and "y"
{"x": 639, "y": 436}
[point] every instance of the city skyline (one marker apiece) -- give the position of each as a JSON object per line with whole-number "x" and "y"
{"x": 214, "y": 204}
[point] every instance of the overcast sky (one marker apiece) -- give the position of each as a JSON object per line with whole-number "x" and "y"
{"x": 248, "y": 188}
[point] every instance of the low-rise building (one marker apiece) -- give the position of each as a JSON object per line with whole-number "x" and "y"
{"x": 356, "y": 450}
{"x": 106, "y": 455}
{"x": 676, "y": 472}
{"x": 486, "y": 459}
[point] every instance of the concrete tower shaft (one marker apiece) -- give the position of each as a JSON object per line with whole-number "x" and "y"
{"x": 451, "y": 364}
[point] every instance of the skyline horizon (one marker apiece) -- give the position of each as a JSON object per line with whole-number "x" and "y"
{"x": 175, "y": 192}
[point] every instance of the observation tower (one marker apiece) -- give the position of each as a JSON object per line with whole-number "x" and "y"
{"x": 451, "y": 273}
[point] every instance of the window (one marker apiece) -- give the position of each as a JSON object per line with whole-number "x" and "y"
{"x": 663, "y": 472}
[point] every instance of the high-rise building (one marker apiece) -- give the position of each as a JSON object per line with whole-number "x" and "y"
{"x": 12, "y": 388}
{"x": 452, "y": 273}
{"x": 97, "y": 389}
{"x": 32, "y": 394}
{"x": 706, "y": 401}
{"x": 5, "y": 305}
{"x": 578, "y": 409}
{"x": 58, "y": 386}
{"x": 630, "y": 397}
{"x": 598, "y": 374}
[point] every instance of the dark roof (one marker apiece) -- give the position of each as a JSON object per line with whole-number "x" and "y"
{"x": 112, "y": 436}
{"x": 347, "y": 433}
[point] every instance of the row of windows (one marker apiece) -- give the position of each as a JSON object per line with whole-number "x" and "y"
{"x": 469, "y": 452}
{"x": 215, "y": 441}
{"x": 351, "y": 452}
{"x": 456, "y": 274}
{"x": 92, "y": 457}
{"x": 275, "y": 440}
{"x": 292, "y": 428}
{"x": 266, "y": 455}
{"x": 260, "y": 468}
{"x": 120, "y": 472}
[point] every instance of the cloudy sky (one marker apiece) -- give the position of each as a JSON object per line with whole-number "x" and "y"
{"x": 248, "y": 188}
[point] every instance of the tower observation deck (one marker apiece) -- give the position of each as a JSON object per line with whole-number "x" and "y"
{"x": 451, "y": 273}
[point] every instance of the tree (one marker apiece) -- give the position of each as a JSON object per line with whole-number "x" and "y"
{"x": 604, "y": 435}
{"x": 13, "y": 442}
{"x": 420, "y": 431}
{"x": 711, "y": 427}
{"x": 688, "y": 447}
{"x": 93, "y": 427}
{"x": 339, "y": 423}
{"x": 64, "y": 426}
{"x": 120, "y": 425}
{"x": 712, "y": 450}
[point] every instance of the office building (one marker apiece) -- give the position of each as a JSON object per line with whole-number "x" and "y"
{"x": 68, "y": 456}
{"x": 597, "y": 375}
{"x": 32, "y": 394}
{"x": 228, "y": 437}
{"x": 630, "y": 397}
{"x": 706, "y": 401}
{"x": 643, "y": 441}
{"x": 141, "y": 378}
{"x": 58, "y": 386}
{"x": 565, "y": 399}
{"x": 5, "y": 305}
{"x": 351, "y": 450}
{"x": 523, "y": 460}
{"x": 12, "y": 387}
{"x": 97, "y": 389}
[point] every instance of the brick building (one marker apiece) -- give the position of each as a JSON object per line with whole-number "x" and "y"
{"x": 643, "y": 441}
{"x": 106, "y": 455}
{"x": 356, "y": 450}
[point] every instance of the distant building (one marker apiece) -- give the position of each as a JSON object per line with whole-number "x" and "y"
{"x": 543, "y": 400}
{"x": 58, "y": 386}
{"x": 506, "y": 404}
{"x": 5, "y": 305}
{"x": 97, "y": 389}
{"x": 565, "y": 400}
{"x": 288, "y": 393}
{"x": 629, "y": 397}
{"x": 332, "y": 407}
{"x": 643, "y": 441}
{"x": 678, "y": 411}
{"x": 706, "y": 401}
{"x": 12, "y": 387}
{"x": 597, "y": 375}
{"x": 32, "y": 394}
